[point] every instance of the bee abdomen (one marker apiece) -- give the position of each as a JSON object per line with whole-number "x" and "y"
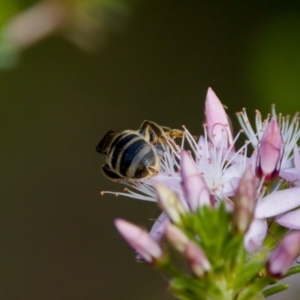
{"x": 140, "y": 156}
{"x": 135, "y": 158}
{"x": 118, "y": 146}
{"x": 145, "y": 158}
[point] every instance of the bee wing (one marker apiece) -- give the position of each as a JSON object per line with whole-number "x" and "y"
{"x": 106, "y": 141}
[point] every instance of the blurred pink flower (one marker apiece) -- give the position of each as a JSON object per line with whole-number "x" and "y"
{"x": 140, "y": 241}
{"x": 284, "y": 254}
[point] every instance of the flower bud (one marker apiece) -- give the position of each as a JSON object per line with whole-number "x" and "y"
{"x": 284, "y": 254}
{"x": 197, "y": 259}
{"x": 169, "y": 202}
{"x": 270, "y": 152}
{"x": 244, "y": 202}
{"x": 176, "y": 237}
{"x": 218, "y": 125}
{"x": 194, "y": 186}
{"x": 140, "y": 241}
{"x": 255, "y": 235}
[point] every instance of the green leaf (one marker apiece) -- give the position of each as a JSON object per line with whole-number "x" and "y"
{"x": 276, "y": 289}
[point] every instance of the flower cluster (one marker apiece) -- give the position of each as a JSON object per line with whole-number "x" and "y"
{"x": 233, "y": 214}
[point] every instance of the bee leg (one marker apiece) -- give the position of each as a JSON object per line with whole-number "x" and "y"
{"x": 173, "y": 133}
{"x": 110, "y": 173}
{"x": 152, "y": 132}
{"x": 149, "y": 127}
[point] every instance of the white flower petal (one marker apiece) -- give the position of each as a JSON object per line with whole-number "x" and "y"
{"x": 255, "y": 235}
{"x": 290, "y": 175}
{"x": 159, "y": 226}
{"x": 277, "y": 203}
{"x": 290, "y": 220}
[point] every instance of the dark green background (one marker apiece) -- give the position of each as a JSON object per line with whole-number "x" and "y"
{"x": 57, "y": 239}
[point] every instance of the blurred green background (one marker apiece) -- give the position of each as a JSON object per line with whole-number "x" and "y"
{"x": 57, "y": 239}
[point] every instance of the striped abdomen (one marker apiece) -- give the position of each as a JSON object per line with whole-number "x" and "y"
{"x": 131, "y": 156}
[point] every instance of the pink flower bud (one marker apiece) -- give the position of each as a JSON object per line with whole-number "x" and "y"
{"x": 245, "y": 201}
{"x": 270, "y": 152}
{"x": 194, "y": 186}
{"x": 169, "y": 202}
{"x": 140, "y": 241}
{"x": 284, "y": 254}
{"x": 255, "y": 235}
{"x": 218, "y": 124}
{"x": 197, "y": 259}
{"x": 192, "y": 252}
{"x": 176, "y": 237}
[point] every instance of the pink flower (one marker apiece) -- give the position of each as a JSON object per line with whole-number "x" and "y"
{"x": 215, "y": 172}
{"x": 194, "y": 186}
{"x": 176, "y": 237}
{"x": 284, "y": 254}
{"x": 245, "y": 201}
{"x": 217, "y": 122}
{"x": 255, "y": 235}
{"x": 140, "y": 240}
{"x": 270, "y": 152}
{"x": 197, "y": 259}
{"x": 290, "y": 134}
{"x": 192, "y": 252}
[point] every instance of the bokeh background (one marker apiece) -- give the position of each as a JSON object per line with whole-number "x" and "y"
{"x": 57, "y": 239}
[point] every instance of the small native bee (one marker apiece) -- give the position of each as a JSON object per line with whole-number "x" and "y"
{"x": 134, "y": 155}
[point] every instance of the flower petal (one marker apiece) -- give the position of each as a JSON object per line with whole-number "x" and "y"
{"x": 169, "y": 202}
{"x": 245, "y": 201}
{"x": 255, "y": 235}
{"x": 270, "y": 152}
{"x": 296, "y": 158}
{"x": 197, "y": 259}
{"x": 176, "y": 237}
{"x": 159, "y": 226}
{"x": 194, "y": 186}
{"x": 218, "y": 126}
{"x": 139, "y": 240}
{"x": 283, "y": 256}
{"x": 277, "y": 203}
{"x": 290, "y": 220}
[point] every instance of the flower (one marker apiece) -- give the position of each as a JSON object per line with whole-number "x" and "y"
{"x": 225, "y": 208}
{"x": 217, "y": 122}
{"x": 197, "y": 259}
{"x": 289, "y": 132}
{"x": 194, "y": 187}
{"x": 244, "y": 202}
{"x": 140, "y": 240}
{"x": 269, "y": 153}
{"x": 282, "y": 257}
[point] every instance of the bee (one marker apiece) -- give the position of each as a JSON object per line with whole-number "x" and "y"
{"x": 134, "y": 154}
